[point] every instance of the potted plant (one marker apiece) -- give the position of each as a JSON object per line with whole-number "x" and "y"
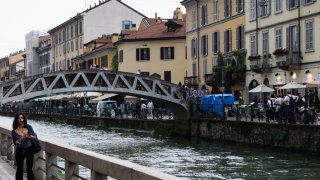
{"x": 280, "y": 52}
{"x": 254, "y": 57}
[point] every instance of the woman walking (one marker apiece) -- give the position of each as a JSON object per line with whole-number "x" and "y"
{"x": 21, "y": 136}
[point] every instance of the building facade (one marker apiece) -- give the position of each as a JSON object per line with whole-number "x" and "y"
{"x": 215, "y": 44}
{"x": 17, "y": 64}
{"x": 281, "y": 41}
{"x": 44, "y": 52}
{"x": 4, "y": 69}
{"x": 107, "y": 17}
{"x": 157, "y": 50}
{"x": 98, "y": 53}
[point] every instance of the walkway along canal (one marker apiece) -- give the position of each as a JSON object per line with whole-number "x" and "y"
{"x": 181, "y": 157}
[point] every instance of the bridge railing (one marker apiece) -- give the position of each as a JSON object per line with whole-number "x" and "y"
{"x": 47, "y": 164}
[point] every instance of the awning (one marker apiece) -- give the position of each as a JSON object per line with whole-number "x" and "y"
{"x": 103, "y": 97}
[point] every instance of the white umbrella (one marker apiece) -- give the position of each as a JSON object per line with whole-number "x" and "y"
{"x": 261, "y": 89}
{"x": 313, "y": 84}
{"x": 293, "y": 85}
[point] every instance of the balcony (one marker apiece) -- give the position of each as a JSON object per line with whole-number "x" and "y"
{"x": 213, "y": 79}
{"x": 266, "y": 65}
{"x": 288, "y": 61}
{"x": 255, "y": 63}
{"x": 239, "y": 75}
{"x": 191, "y": 82}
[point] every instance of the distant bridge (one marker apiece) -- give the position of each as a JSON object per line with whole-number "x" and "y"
{"x": 158, "y": 91}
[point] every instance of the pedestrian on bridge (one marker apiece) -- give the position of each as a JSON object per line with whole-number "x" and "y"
{"x": 21, "y": 136}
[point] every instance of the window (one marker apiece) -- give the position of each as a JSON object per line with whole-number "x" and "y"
{"x": 239, "y": 6}
{"x": 308, "y": 1}
{"x": 265, "y": 42}
{"x": 167, "y": 76}
{"x": 126, "y": 24}
{"x": 104, "y": 61}
{"x": 252, "y": 9}
{"x": 76, "y": 30}
{"x": 204, "y": 45}
{"x": 215, "y": 42}
{"x": 80, "y": 42}
{"x": 240, "y": 37}
{"x": 71, "y": 29}
{"x": 166, "y": 53}
{"x": 121, "y": 56}
{"x": 204, "y": 15}
{"x": 194, "y": 69}
{"x": 278, "y": 5}
{"x": 264, "y": 8}
{"x": 253, "y": 50}
{"x": 228, "y": 41}
{"x": 215, "y": 10}
{"x": 292, "y": 38}
{"x": 227, "y": 8}
{"x": 193, "y": 14}
{"x": 80, "y": 27}
{"x": 309, "y": 35}
{"x": 72, "y": 46}
{"x": 142, "y": 54}
{"x": 205, "y": 65}
{"x": 278, "y": 38}
{"x": 292, "y": 4}
{"x": 194, "y": 48}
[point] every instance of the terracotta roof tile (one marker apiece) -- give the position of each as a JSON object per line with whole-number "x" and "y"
{"x": 159, "y": 30}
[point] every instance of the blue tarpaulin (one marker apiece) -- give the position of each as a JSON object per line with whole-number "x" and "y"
{"x": 214, "y": 103}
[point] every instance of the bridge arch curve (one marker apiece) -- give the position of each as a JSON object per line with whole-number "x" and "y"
{"x": 123, "y": 83}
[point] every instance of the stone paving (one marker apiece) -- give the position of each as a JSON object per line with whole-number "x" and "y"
{"x": 7, "y": 172}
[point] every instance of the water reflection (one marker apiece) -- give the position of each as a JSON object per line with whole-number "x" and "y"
{"x": 190, "y": 159}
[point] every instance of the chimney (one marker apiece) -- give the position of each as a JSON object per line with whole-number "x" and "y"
{"x": 177, "y": 14}
{"x": 155, "y": 15}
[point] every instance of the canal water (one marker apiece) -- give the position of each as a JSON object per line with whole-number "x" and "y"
{"x": 189, "y": 159}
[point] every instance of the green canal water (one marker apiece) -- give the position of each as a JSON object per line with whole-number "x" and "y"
{"x": 189, "y": 159}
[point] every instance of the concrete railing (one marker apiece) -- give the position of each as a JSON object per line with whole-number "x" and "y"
{"x": 100, "y": 166}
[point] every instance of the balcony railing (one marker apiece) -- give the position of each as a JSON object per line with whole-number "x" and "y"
{"x": 192, "y": 81}
{"x": 287, "y": 61}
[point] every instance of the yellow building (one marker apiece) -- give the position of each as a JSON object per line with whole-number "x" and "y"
{"x": 98, "y": 53}
{"x": 158, "y": 49}
{"x": 215, "y": 27}
{"x": 4, "y": 68}
{"x": 17, "y": 64}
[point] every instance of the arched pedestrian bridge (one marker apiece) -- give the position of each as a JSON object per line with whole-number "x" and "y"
{"x": 122, "y": 83}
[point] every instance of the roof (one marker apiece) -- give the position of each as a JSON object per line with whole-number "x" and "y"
{"x": 79, "y": 15}
{"x": 159, "y": 31}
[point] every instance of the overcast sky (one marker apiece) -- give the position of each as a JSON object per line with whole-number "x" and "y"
{"x": 18, "y": 17}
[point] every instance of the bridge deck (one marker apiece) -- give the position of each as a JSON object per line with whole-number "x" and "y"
{"x": 7, "y": 172}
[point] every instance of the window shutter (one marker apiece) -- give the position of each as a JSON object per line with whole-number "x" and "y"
{"x": 161, "y": 52}
{"x": 230, "y": 40}
{"x": 287, "y": 38}
{"x": 148, "y": 54}
{"x": 172, "y": 52}
{"x": 242, "y": 37}
{"x": 225, "y": 41}
{"x": 213, "y": 42}
{"x": 287, "y": 4}
{"x": 218, "y": 41}
{"x": 137, "y": 54}
{"x": 238, "y": 37}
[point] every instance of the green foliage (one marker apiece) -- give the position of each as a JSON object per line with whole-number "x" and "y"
{"x": 115, "y": 63}
{"x": 60, "y": 175}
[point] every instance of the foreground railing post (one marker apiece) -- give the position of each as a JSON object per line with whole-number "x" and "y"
{"x": 39, "y": 166}
{"x": 71, "y": 169}
{"x": 97, "y": 176}
{"x": 51, "y": 162}
{"x": 3, "y": 145}
{"x": 10, "y": 150}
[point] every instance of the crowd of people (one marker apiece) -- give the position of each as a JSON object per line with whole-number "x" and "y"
{"x": 289, "y": 108}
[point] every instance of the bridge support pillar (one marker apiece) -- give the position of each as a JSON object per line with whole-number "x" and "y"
{"x": 10, "y": 149}
{"x": 39, "y": 166}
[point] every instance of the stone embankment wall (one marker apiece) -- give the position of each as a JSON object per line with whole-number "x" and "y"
{"x": 292, "y": 137}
